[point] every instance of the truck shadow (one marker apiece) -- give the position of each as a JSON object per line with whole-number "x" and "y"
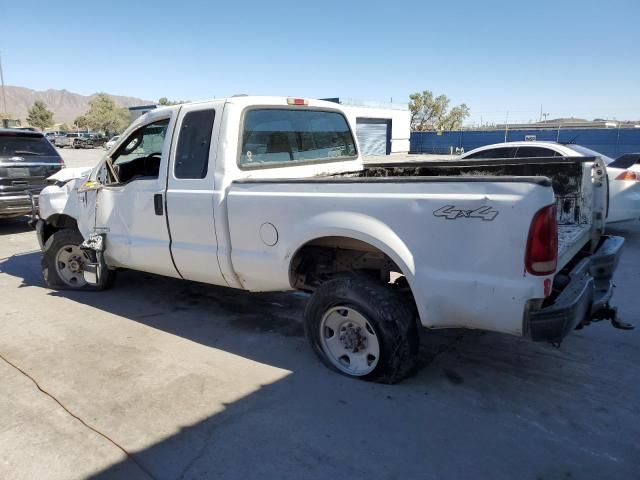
{"x": 312, "y": 423}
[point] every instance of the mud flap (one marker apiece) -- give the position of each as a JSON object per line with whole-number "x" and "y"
{"x": 94, "y": 247}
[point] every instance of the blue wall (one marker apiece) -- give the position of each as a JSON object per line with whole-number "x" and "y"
{"x": 608, "y": 141}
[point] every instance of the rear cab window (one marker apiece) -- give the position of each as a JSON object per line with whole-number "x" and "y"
{"x": 280, "y": 136}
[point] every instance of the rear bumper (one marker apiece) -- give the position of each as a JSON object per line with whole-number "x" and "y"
{"x": 589, "y": 289}
{"x": 16, "y": 205}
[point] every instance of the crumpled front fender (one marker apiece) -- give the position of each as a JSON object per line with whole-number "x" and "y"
{"x": 61, "y": 197}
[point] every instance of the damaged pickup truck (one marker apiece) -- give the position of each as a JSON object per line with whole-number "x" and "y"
{"x": 271, "y": 194}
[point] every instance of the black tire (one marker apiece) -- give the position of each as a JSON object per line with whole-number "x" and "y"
{"x": 52, "y": 246}
{"x": 390, "y": 315}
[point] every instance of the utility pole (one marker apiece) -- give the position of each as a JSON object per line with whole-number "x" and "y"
{"x": 4, "y": 97}
{"x": 506, "y": 128}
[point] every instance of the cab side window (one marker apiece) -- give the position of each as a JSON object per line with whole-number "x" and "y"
{"x": 192, "y": 154}
{"x": 139, "y": 156}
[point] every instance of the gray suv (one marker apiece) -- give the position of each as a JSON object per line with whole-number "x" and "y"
{"x": 71, "y": 140}
{"x": 54, "y": 136}
{"x": 26, "y": 160}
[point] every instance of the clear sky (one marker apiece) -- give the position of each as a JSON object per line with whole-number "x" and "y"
{"x": 579, "y": 58}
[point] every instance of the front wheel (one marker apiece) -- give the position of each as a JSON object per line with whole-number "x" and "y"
{"x": 362, "y": 328}
{"x": 63, "y": 263}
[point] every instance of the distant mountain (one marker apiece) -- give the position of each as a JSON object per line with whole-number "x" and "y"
{"x": 66, "y": 106}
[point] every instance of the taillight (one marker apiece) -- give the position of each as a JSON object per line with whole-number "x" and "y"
{"x": 541, "y": 257}
{"x": 628, "y": 175}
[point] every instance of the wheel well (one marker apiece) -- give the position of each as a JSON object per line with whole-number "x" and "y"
{"x": 320, "y": 259}
{"x": 323, "y": 257}
{"x": 57, "y": 222}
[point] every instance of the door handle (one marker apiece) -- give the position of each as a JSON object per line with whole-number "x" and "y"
{"x": 157, "y": 203}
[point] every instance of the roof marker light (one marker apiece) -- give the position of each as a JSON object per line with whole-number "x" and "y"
{"x": 297, "y": 101}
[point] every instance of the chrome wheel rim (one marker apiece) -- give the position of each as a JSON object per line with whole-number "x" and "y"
{"x": 70, "y": 261}
{"x": 349, "y": 341}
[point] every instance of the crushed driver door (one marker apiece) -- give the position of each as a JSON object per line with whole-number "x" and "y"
{"x": 129, "y": 206}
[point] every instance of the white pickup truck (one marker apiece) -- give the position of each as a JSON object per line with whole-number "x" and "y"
{"x": 271, "y": 194}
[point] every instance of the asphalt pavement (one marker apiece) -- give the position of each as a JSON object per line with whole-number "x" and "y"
{"x": 166, "y": 379}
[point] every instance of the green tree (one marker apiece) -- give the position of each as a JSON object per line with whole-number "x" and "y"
{"x": 433, "y": 113}
{"x": 65, "y": 128}
{"x": 40, "y": 116}
{"x": 81, "y": 122}
{"x": 105, "y": 115}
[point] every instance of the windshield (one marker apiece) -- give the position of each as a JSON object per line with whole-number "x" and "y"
{"x": 278, "y": 135}
{"x": 587, "y": 152}
{"x": 22, "y": 146}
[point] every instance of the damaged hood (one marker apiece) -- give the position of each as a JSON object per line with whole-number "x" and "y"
{"x": 66, "y": 174}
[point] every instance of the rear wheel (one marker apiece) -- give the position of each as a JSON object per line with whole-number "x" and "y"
{"x": 362, "y": 328}
{"x": 63, "y": 263}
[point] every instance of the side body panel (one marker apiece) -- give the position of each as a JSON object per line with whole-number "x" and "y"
{"x": 464, "y": 271}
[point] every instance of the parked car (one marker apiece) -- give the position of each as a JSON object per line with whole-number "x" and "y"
{"x": 623, "y": 173}
{"x": 93, "y": 139}
{"x": 75, "y": 140}
{"x": 71, "y": 140}
{"x": 270, "y": 194}
{"x": 109, "y": 145}
{"x": 54, "y": 136}
{"x": 26, "y": 160}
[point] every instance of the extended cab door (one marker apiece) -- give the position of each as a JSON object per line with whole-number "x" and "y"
{"x": 190, "y": 193}
{"x": 130, "y": 202}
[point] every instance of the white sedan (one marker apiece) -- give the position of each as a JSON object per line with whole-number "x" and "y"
{"x": 624, "y": 172}
{"x": 109, "y": 145}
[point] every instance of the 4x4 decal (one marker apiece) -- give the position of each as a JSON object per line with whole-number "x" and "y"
{"x": 451, "y": 213}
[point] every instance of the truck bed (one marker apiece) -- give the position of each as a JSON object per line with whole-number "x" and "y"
{"x": 569, "y": 178}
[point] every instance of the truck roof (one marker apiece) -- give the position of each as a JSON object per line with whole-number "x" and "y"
{"x": 242, "y": 100}
{"x": 257, "y": 100}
